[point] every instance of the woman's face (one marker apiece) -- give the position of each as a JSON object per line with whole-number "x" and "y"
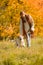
{"x": 23, "y": 14}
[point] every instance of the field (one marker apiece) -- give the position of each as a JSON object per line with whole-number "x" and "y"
{"x": 10, "y": 54}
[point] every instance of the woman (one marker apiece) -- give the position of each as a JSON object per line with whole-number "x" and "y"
{"x": 26, "y": 28}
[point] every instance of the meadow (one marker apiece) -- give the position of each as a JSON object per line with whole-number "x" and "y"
{"x": 10, "y": 54}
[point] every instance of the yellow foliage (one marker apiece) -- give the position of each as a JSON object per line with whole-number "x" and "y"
{"x": 10, "y": 18}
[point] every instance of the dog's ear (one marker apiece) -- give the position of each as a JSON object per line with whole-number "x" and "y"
{"x": 19, "y": 38}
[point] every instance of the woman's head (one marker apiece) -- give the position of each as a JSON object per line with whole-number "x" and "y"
{"x": 22, "y": 13}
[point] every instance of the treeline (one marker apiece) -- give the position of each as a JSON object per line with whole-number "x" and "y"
{"x": 10, "y": 19}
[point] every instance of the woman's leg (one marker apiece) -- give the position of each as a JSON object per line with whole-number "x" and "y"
{"x": 28, "y": 38}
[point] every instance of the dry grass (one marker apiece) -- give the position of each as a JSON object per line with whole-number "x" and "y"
{"x": 10, "y": 54}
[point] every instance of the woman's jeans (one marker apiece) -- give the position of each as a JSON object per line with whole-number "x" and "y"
{"x": 28, "y": 39}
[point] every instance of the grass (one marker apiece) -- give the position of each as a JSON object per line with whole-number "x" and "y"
{"x": 10, "y": 54}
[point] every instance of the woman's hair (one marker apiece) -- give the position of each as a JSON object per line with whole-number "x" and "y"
{"x": 22, "y": 12}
